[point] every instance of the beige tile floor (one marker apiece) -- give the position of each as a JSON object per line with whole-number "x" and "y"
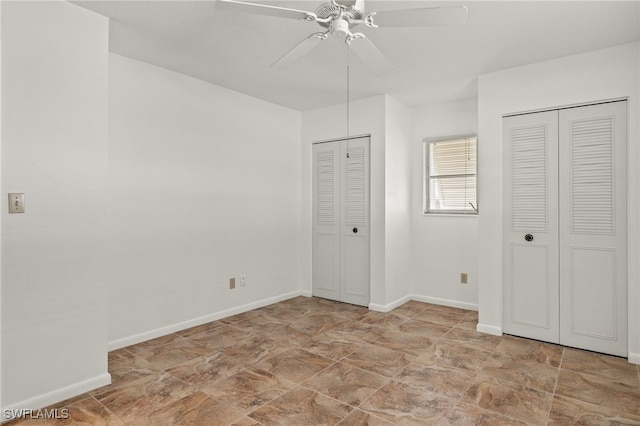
{"x": 310, "y": 361}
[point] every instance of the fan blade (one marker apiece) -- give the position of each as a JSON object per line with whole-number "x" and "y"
{"x": 299, "y": 50}
{"x": 369, "y": 54}
{"x": 424, "y": 17}
{"x": 262, "y": 9}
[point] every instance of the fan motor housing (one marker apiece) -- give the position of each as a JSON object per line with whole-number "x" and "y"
{"x": 328, "y": 10}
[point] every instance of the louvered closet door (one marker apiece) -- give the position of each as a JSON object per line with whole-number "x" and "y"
{"x": 326, "y": 220}
{"x": 355, "y": 222}
{"x": 593, "y": 228}
{"x": 530, "y": 247}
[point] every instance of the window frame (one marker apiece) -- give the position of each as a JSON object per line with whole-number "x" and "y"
{"x": 426, "y": 178}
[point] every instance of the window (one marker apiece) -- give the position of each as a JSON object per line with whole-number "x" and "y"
{"x": 450, "y": 175}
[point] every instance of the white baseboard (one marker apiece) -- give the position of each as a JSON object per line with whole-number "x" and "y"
{"x": 49, "y": 398}
{"x": 634, "y": 358}
{"x": 489, "y": 329}
{"x": 390, "y": 306}
{"x": 426, "y": 299}
{"x": 163, "y": 331}
{"x": 445, "y": 302}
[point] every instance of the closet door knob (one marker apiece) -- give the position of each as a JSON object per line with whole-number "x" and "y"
{"x": 528, "y": 237}
{"x": 355, "y": 230}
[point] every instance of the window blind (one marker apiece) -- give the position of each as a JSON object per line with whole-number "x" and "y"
{"x": 450, "y": 175}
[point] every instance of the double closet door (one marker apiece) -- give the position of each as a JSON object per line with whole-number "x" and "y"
{"x": 341, "y": 220}
{"x": 565, "y": 227}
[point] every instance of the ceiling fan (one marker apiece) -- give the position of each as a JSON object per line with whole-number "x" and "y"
{"x": 339, "y": 17}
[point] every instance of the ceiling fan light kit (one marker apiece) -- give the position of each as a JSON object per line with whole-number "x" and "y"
{"x": 340, "y": 17}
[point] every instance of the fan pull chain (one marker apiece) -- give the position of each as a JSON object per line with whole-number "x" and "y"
{"x": 348, "y": 57}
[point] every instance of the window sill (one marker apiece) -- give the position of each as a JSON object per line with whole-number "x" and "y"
{"x": 450, "y": 214}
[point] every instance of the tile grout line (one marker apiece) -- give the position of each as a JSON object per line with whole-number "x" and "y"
{"x": 555, "y": 386}
{"x": 350, "y": 405}
{"x": 479, "y": 370}
{"x": 296, "y": 385}
{"x": 108, "y": 410}
{"x": 393, "y": 378}
{"x": 334, "y": 399}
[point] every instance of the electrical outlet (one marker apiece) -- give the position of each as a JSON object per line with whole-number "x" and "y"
{"x": 232, "y": 283}
{"x": 463, "y": 277}
{"x": 243, "y": 281}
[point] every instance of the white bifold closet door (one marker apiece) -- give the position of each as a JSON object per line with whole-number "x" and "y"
{"x": 565, "y": 219}
{"x": 341, "y": 220}
{"x": 530, "y": 252}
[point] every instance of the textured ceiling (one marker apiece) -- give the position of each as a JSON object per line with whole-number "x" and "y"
{"x": 431, "y": 64}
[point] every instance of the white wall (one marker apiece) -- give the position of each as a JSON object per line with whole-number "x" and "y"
{"x": 204, "y": 185}
{"x": 54, "y": 149}
{"x": 603, "y": 74}
{"x": 398, "y": 184}
{"x": 443, "y": 246}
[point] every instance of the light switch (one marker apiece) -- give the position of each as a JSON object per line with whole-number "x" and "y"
{"x": 16, "y": 202}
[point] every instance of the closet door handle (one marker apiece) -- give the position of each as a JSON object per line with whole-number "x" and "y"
{"x": 355, "y": 230}
{"x": 528, "y": 238}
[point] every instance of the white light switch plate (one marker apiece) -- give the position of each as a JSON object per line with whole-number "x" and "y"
{"x": 16, "y": 202}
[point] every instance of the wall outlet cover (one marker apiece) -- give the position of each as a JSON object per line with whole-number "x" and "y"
{"x": 16, "y": 202}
